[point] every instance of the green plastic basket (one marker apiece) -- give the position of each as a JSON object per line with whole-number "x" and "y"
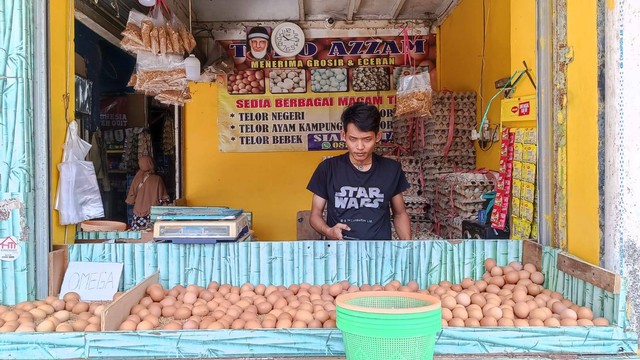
{"x": 388, "y": 325}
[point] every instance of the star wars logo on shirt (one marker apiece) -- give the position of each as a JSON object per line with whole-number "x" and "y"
{"x": 356, "y": 197}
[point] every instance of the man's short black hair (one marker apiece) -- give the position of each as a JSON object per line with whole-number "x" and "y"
{"x": 364, "y": 116}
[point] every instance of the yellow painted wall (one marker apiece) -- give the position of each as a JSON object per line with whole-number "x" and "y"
{"x": 460, "y": 59}
{"x": 583, "y": 238}
{"x": 272, "y": 185}
{"x": 583, "y": 234}
{"x": 60, "y": 18}
{"x": 523, "y": 42}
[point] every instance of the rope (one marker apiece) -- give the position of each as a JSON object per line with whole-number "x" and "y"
{"x": 66, "y": 96}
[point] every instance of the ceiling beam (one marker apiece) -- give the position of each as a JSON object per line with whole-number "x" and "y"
{"x": 97, "y": 28}
{"x": 352, "y": 9}
{"x": 397, "y": 8}
{"x": 301, "y": 10}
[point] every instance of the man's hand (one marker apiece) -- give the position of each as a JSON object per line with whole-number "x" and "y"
{"x": 335, "y": 233}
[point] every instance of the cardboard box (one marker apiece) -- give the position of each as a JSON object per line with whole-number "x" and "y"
{"x": 114, "y": 313}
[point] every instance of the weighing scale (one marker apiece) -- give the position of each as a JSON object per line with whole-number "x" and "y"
{"x": 201, "y": 231}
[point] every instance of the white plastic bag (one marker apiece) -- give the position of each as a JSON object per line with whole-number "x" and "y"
{"x": 78, "y": 197}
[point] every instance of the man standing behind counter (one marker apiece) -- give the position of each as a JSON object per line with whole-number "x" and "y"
{"x": 359, "y": 187}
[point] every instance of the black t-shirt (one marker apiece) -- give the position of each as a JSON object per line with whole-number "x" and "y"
{"x": 360, "y": 199}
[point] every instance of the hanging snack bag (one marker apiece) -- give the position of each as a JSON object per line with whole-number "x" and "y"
{"x": 414, "y": 95}
{"x": 136, "y": 35}
{"x": 159, "y": 73}
{"x": 182, "y": 39}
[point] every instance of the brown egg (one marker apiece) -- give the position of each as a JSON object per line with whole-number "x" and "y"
{"x": 446, "y": 314}
{"x": 190, "y": 325}
{"x": 26, "y": 328}
{"x": 216, "y": 325}
{"x": 460, "y": 313}
{"x": 569, "y": 314}
{"x": 540, "y": 302}
{"x": 283, "y": 323}
{"x": 493, "y": 289}
{"x": 329, "y": 324}
{"x": 38, "y": 314}
{"x": 475, "y": 313}
{"x": 253, "y": 324}
{"x": 538, "y": 313}
{"x": 496, "y": 271}
{"x": 551, "y": 322}
{"x": 478, "y": 299}
{"x": 174, "y": 325}
{"x": 157, "y": 293}
{"x": 84, "y": 315}
{"x": 512, "y": 277}
{"x": 584, "y": 313}
{"x": 537, "y": 277}
{"x": 568, "y": 322}
{"x": 46, "y": 326}
{"x": 584, "y": 322}
{"x": 80, "y": 307}
{"x": 463, "y": 299}
{"x": 79, "y": 325}
{"x": 92, "y": 328}
{"x": 493, "y": 312}
{"x": 471, "y": 322}
{"x": 182, "y": 313}
{"x": 71, "y": 296}
{"x": 448, "y": 302}
{"x": 200, "y": 310}
{"x": 536, "y": 322}
{"x": 488, "y": 321}
{"x": 521, "y": 310}
{"x": 168, "y": 311}
{"x": 62, "y": 315}
{"x": 64, "y": 327}
{"x": 238, "y": 324}
{"x": 600, "y": 321}
{"x": 489, "y": 264}
{"x": 144, "y": 325}
{"x": 506, "y": 322}
{"x": 48, "y": 309}
{"x": 190, "y": 297}
{"x": 58, "y": 304}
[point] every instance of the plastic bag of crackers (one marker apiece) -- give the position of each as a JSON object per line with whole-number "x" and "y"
{"x": 157, "y": 34}
{"x": 163, "y": 77}
{"x": 414, "y": 96}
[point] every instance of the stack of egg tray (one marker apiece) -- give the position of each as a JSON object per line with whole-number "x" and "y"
{"x": 414, "y": 200}
{"x": 418, "y": 232}
{"x": 426, "y": 138}
{"x": 459, "y": 197}
{"x": 412, "y": 167}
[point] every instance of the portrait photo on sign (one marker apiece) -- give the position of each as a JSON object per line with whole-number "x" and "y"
{"x": 258, "y": 43}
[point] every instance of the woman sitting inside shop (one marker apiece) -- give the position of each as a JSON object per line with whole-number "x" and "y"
{"x": 147, "y": 190}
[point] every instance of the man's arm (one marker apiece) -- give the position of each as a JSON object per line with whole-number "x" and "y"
{"x": 317, "y": 220}
{"x": 400, "y": 217}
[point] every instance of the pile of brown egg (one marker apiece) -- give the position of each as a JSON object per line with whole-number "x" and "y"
{"x": 510, "y": 295}
{"x": 52, "y": 314}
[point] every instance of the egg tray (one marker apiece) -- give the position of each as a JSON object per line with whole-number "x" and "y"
{"x": 419, "y": 231}
{"x": 415, "y": 205}
{"x": 448, "y": 226}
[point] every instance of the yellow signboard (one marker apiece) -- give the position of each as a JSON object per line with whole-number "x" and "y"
{"x": 273, "y": 103}
{"x": 524, "y": 108}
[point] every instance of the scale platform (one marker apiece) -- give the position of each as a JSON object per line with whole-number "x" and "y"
{"x": 201, "y": 231}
